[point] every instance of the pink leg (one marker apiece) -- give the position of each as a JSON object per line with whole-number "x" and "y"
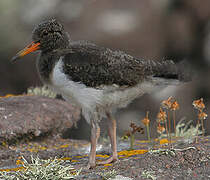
{"x": 95, "y": 133}
{"x": 113, "y": 139}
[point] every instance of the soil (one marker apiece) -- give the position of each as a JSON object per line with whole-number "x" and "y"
{"x": 184, "y": 159}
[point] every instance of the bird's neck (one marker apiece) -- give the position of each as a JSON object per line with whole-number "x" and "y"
{"x": 47, "y": 60}
{"x": 45, "y": 65}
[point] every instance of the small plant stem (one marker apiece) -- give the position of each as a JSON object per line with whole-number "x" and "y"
{"x": 169, "y": 127}
{"x": 198, "y": 123}
{"x": 148, "y": 132}
{"x": 203, "y": 131}
{"x": 131, "y": 141}
{"x": 174, "y": 117}
{"x": 166, "y": 128}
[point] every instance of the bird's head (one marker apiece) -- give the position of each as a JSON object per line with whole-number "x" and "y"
{"x": 47, "y": 36}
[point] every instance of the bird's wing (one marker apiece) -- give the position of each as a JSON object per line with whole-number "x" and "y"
{"x": 97, "y": 66}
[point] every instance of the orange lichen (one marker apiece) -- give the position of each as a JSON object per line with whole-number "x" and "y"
{"x": 19, "y": 162}
{"x": 65, "y": 158}
{"x": 142, "y": 141}
{"x": 33, "y": 149}
{"x": 7, "y": 95}
{"x": 36, "y": 148}
{"x": 78, "y": 157}
{"x": 120, "y": 157}
{"x": 13, "y": 169}
{"x": 132, "y": 152}
{"x": 14, "y": 95}
{"x": 64, "y": 146}
{"x": 107, "y": 165}
{"x": 102, "y": 156}
{"x": 42, "y": 148}
{"x": 164, "y": 141}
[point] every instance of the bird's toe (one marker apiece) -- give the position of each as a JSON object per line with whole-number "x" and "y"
{"x": 110, "y": 160}
{"x": 91, "y": 165}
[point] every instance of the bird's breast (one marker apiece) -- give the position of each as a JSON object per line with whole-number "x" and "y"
{"x": 75, "y": 92}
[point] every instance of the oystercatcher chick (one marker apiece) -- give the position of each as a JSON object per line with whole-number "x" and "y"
{"x": 96, "y": 79}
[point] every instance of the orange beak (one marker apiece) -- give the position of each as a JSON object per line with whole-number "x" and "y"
{"x": 28, "y": 49}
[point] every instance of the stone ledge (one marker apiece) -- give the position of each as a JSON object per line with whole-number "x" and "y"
{"x": 35, "y": 116}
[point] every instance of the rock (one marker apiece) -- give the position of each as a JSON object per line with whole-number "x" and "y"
{"x": 22, "y": 116}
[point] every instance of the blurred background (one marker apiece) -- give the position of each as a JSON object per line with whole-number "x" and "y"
{"x": 148, "y": 29}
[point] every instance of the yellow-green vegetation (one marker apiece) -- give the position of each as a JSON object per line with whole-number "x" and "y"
{"x": 55, "y": 169}
{"x": 185, "y": 129}
{"x": 171, "y": 152}
{"x": 148, "y": 175}
{"x": 108, "y": 174}
{"x": 41, "y": 91}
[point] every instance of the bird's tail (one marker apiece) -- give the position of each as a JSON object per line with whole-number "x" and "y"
{"x": 169, "y": 70}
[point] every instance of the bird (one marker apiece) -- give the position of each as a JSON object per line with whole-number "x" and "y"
{"x": 97, "y": 79}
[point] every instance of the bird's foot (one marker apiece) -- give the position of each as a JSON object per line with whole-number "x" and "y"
{"x": 110, "y": 160}
{"x": 91, "y": 165}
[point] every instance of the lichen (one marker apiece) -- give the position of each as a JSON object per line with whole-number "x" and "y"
{"x": 185, "y": 129}
{"x": 148, "y": 175}
{"x": 55, "y": 169}
{"x": 132, "y": 152}
{"x": 41, "y": 91}
{"x": 108, "y": 174}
